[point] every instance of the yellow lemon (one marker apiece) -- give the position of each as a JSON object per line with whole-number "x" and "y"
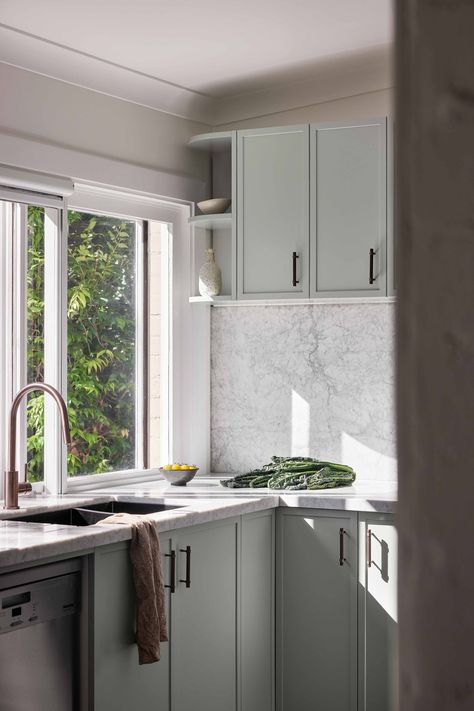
{"x": 174, "y": 467}
{"x": 184, "y": 466}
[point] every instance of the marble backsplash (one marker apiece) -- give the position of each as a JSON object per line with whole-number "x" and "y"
{"x": 312, "y": 380}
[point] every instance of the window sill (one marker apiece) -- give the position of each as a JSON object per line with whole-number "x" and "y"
{"x": 122, "y": 478}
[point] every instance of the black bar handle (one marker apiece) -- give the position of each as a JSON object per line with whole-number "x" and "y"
{"x": 187, "y": 579}
{"x": 369, "y": 548}
{"x": 372, "y": 254}
{"x": 172, "y": 585}
{"x": 342, "y": 559}
{"x": 295, "y": 257}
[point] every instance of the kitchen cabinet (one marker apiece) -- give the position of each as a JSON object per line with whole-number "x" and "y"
{"x": 119, "y": 682}
{"x": 348, "y": 224}
{"x": 273, "y": 213}
{"x": 257, "y": 612}
{"x": 377, "y": 613}
{"x": 204, "y": 619}
{"x": 220, "y": 622}
{"x": 316, "y": 598}
{"x": 312, "y": 211}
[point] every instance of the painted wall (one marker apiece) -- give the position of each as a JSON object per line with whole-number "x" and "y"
{"x": 375, "y": 103}
{"x": 55, "y": 113}
{"x": 312, "y": 380}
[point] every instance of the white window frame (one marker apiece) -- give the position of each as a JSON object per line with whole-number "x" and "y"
{"x": 185, "y": 343}
{"x": 13, "y": 334}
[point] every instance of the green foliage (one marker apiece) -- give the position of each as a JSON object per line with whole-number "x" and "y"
{"x": 101, "y": 342}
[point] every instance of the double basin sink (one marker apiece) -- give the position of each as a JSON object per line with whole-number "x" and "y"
{"x": 93, "y": 513}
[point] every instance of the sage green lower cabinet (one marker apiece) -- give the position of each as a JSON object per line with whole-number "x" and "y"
{"x": 220, "y": 655}
{"x": 257, "y": 612}
{"x": 204, "y": 619}
{"x": 378, "y": 674}
{"x": 119, "y": 682}
{"x": 316, "y": 621}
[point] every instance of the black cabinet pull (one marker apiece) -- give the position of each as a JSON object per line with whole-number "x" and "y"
{"x": 372, "y": 253}
{"x": 295, "y": 280}
{"x": 342, "y": 560}
{"x": 187, "y": 579}
{"x": 172, "y": 585}
{"x": 369, "y": 548}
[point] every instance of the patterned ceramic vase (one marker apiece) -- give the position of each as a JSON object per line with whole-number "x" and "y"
{"x": 210, "y": 277}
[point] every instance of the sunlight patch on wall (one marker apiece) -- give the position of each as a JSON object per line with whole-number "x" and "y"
{"x": 367, "y": 462}
{"x": 300, "y": 425}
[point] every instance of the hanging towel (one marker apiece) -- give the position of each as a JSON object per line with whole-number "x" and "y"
{"x": 149, "y": 586}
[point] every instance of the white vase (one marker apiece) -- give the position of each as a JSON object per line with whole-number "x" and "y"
{"x": 210, "y": 277}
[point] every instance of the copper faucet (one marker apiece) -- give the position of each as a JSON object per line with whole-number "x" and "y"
{"x": 12, "y": 486}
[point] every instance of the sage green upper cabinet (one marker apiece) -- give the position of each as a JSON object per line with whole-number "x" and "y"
{"x": 204, "y": 619}
{"x": 378, "y": 673}
{"x": 273, "y": 213}
{"x": 348, "y": 223}
{"x": 316, "y": 622}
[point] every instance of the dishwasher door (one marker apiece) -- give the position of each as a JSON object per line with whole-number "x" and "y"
{"x": 39, "y": 645}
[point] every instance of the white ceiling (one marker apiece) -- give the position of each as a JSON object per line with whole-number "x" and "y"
{"x": 214, "y": 48}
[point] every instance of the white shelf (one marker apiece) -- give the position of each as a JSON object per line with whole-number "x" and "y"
{"x": 224, "y": 300}
{"x": 218, "y": 141}
{"x": 210, "y": 299}
{"x": 212, "y": 222}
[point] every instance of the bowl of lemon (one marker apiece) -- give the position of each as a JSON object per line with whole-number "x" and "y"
{"x": 179, "y": 474}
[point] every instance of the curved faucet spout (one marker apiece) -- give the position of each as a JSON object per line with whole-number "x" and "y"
{"x": 11, "y": 488}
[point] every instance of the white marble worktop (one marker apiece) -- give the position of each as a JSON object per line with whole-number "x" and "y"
{"x": 202, "y": 501}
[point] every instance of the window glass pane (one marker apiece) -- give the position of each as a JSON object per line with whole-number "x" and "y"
{"x": 35, "y": 337}
{"x": 102, "y": 330}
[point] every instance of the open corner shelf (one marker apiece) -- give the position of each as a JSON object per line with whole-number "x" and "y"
{"x": 209, "y": 299}
{"x": 218, "y": 141}
{"x": 212, "y": 222}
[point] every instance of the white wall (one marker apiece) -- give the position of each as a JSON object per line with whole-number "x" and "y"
{"x": 369, "y": 105}
{"x": 56, "y": 114}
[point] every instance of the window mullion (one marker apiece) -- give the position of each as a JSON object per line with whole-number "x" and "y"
{"x": 140, "y": 338}
{"x": 55, "y": 344}
{"x": 6, "y": 346}
{"x": 19, "y": 325}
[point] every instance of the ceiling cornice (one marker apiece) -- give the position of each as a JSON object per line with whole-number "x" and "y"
{"x": 338, "y": 77}
{"x": 330, "y": 79}
{"x": 56, "y": 61}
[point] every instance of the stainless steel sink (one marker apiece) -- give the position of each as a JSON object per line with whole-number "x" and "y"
{"x": 90, "y": 514}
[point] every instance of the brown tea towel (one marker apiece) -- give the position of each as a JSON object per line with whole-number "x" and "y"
{"x": 149, "y": 586}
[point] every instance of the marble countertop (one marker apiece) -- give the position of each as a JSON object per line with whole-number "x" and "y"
{"x": 202, "y": 501}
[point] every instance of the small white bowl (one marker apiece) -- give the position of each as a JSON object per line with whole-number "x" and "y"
{"x": 179, "y": 477}
{"x": 215, "y": 206}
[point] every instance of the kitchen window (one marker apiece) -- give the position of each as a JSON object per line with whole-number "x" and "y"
{"x": 86, "y": 297}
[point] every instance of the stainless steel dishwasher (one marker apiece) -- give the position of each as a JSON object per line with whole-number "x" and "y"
{"x": 39, "y": 638}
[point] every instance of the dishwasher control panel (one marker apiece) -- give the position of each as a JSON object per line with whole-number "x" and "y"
{"x": 39, "y": 602}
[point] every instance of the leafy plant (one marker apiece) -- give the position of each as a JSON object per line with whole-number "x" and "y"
{"x": 100, "y": 339}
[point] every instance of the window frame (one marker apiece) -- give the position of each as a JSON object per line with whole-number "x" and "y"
{"x": 186, "y": 401}
{"x": 185, "y": 351}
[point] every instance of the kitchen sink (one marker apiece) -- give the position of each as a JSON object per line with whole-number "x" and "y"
{"x": 90, "y": 514}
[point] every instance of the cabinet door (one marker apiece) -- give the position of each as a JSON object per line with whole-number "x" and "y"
{"x": 378, "y": 614}
{"x": 273, "y": 212}
{"x": 120, "y": 683}
{"x": 257, "y": 613}
{"x": 204, "y": 619}
{"x": 316, "y": 611}
{"x": 348, "y": 187}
